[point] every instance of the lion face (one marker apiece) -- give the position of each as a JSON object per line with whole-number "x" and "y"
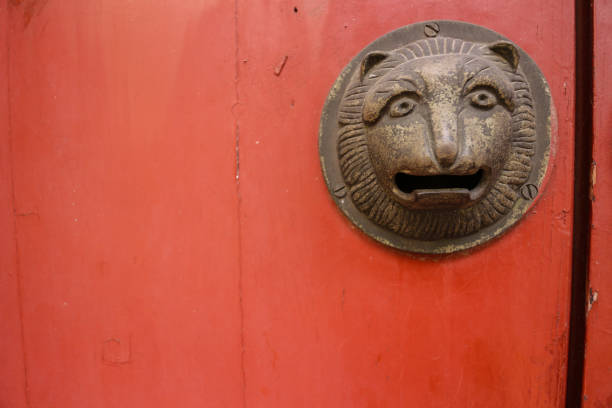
{"x": 436, "y": 137}
{"x": 438, "y": 130}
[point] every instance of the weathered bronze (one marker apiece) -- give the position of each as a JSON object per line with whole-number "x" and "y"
{"x": 436, "y": 137}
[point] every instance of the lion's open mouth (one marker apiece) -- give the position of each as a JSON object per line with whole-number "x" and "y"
{"x": 407, "y": 183}
{"x": 439, "y": 191}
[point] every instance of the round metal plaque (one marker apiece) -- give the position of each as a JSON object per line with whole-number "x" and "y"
{"x": 436, "y": 137}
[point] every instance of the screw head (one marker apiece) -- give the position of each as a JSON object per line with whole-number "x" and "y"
{"x": 431, "y": 29}
{"x": 340, "y": 190}
{"x": 529, "y": 191}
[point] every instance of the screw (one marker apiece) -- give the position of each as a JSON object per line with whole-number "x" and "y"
{"x": 432, "y": 29}
{"x": 529, "y": 191}
{"x": 340, "y": 190}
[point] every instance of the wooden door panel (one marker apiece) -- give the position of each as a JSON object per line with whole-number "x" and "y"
{"x": 334, "y": 319}
{"x": 598, "y": 358}
{"x": 124, "y": 172}
{"x": 12, "y": 372}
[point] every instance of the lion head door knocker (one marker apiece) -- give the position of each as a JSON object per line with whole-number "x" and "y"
{"x": 434, "y": 141}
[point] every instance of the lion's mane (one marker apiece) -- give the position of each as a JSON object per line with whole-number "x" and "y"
{"x": 372, "y": 200}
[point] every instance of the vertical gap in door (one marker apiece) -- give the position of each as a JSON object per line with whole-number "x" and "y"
{"x": 582, "y": 201}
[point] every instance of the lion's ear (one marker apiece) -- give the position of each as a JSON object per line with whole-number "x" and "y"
{"x": 370, "y": 61}
{"x": 507, "y": 51}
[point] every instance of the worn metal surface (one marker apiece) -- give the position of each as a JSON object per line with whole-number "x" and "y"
{"x": 439, "y": 134}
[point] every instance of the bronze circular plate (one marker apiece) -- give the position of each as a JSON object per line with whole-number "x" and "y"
{"x": 436, "y": 137}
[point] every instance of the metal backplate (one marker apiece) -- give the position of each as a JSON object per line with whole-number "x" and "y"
{"x": 436, "y": 137}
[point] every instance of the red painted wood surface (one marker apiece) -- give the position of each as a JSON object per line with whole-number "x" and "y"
{"x": 334, "y": 319}
{"x": 152, "y": 276}
{"x": 125, "y": 200}
{"x": 598, "y": 360}
{"x": 12, "y": 373}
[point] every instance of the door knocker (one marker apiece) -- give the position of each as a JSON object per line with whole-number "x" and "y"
{"x": 429, "y": 139}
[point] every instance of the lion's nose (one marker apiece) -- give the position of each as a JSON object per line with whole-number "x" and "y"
{"x": 444, "y": 127}
{"x": 446, "y": 149}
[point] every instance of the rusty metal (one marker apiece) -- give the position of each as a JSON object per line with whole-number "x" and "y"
{"x": 435, "y": 138}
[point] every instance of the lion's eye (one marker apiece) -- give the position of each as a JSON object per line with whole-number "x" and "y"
{"x": 483, "y": 98}
{"x": 401, "y": 107}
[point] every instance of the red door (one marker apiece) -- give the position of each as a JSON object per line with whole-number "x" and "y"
{"x": 169, "y": 240}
